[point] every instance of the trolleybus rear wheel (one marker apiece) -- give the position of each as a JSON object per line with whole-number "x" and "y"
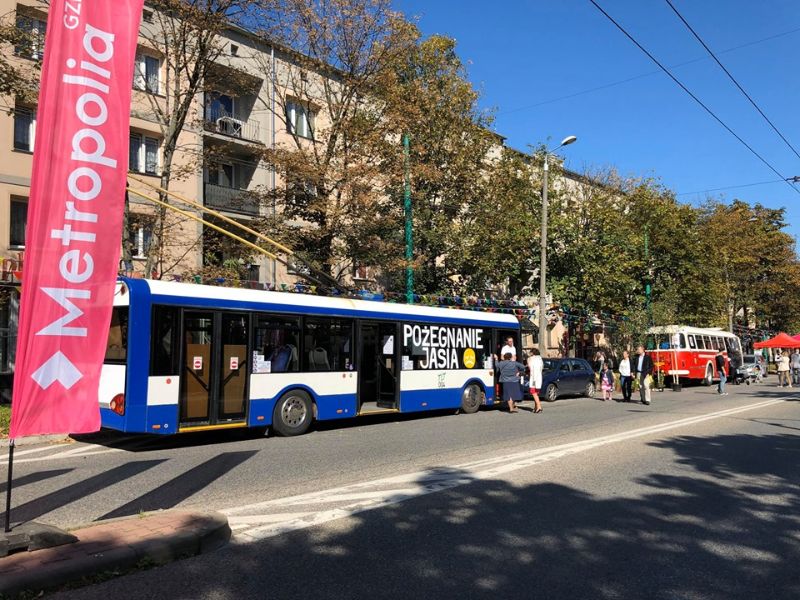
{"x": 471, "y": 399}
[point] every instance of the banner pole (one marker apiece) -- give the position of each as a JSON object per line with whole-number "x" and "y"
{"x": 8, "y": 484}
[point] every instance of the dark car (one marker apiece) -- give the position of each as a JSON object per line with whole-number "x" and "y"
{"x": 566, "y": 377}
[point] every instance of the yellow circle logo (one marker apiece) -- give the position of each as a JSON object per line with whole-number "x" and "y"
{"x": 469, "y": 358}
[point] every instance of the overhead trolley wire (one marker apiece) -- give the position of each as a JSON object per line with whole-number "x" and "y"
{"x": 695, "y": 98}
{"x": 643, "y": 75}
{"x": 731, "y": 77}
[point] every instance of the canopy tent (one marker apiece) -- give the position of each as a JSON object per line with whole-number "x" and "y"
{"x": 797, "y": 337}
{"x": 782, "y": 340}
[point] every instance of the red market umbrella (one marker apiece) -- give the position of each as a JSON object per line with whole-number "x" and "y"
{"x": 782, "y": 340}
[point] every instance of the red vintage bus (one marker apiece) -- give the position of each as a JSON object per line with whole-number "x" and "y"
{"x": 687, "y": 353}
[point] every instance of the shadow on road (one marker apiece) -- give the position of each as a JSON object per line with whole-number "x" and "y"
{"x": 727, "y": 528}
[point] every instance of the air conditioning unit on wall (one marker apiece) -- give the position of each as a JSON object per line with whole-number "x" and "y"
{"x": 230, "y": 126}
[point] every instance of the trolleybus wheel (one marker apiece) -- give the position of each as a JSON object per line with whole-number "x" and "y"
{"x": 709, "y": 378}
{"x": 551, "y": 393}
{"x": 293, "y": 413}
{"x": 471, "y": 399}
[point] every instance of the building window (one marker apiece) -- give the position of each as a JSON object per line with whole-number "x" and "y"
{"x": 143, "y": 156}
{"x": 24, "y": 128}
{"x": 300, "y": 193}
{"x": 32, "y": 44}
{"x": 234, "y": 50}
{"x": 19, "y": 220}
{"x": 361, "y": 272}
{"x": 140, "y": 231}
{"x": 300, "y": 120}
{"x": 147, "y": 16}
{"x": 147, "y": 74}
{"x": 222, "y": 174}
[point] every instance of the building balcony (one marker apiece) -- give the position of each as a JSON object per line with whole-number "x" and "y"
{"x": 222, "y": 122}
{"x": 228, "y": 199}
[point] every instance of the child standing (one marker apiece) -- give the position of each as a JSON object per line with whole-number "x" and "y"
{"x": 606, "y": 381}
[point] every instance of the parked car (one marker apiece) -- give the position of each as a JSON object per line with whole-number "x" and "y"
{"x": 566, "y": 377}
{"x": 747, "y": 372}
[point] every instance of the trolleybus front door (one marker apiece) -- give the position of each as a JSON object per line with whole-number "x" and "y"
{"x": 377, "y": 366}
{"x": 214, "y": 378}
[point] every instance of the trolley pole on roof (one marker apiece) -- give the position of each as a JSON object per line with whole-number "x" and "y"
{"x": 409, "y": 224}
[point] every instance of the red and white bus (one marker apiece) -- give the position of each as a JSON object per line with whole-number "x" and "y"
{"x": 688, "y": 352}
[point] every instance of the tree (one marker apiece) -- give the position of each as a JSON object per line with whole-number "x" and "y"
{"x": 19, "y": 78}
{"x": 334, "y": 59}
{"x": 453, "y": 155}
{"x": 492, "y": 241}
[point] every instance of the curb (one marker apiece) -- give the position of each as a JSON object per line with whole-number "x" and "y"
{"x": 35, "y": 439}
{"x": 170, "y": 535}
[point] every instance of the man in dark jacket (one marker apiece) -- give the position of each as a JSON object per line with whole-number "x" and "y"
{"x": 720, "y": 361}
{"x": 643, "y": 367}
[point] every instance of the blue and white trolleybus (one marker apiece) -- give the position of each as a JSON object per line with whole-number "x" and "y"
{"x": 185, "y": 357}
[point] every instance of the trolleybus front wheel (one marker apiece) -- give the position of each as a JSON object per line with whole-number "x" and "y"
{"x": 293, "y": 414}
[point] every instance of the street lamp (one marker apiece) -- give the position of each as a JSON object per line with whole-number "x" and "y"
{"x": 543, "y": 266}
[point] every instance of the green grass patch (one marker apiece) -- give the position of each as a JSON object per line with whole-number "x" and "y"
{"x": 5, "y": 419}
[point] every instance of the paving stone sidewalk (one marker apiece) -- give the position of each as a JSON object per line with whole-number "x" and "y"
{"x": 114, "y": 545}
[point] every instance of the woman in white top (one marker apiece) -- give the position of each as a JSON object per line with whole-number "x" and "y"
{"x": 783, "y": 370}
{"x": 625, "y": 379}
{"x": 536, "y": 366}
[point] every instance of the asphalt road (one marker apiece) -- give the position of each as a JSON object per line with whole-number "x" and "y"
{"x": 695, "y": 496}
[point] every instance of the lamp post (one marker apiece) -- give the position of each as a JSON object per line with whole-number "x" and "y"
{"x": 543, "y": 266}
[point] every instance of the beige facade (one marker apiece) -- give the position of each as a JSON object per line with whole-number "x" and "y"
{"x": 217, "y": 161}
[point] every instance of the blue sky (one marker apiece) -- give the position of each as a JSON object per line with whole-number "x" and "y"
{"x": 526, "y": 56}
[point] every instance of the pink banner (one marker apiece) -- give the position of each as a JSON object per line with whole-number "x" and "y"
{"x": 75, "y": 211}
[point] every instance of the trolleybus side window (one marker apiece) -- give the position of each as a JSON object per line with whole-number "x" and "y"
{"x": 691, "y": 342}
{"x": 277, "y": 340}
{"x": 328, "y": 345}
{"x": 165, "y": 352}
{"x": 117, "y": 343}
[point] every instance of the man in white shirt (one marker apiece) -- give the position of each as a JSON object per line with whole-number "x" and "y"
{"x": 509, "y": 348}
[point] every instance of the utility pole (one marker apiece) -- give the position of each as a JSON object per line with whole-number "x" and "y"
{"x": 543, "y": 263}
{"x": 409, "y": 224}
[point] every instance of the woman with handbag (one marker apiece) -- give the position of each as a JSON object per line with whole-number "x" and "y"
{"x": 510, "y": 372}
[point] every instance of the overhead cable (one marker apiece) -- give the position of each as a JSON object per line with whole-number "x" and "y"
{"x": 731, "y": 77}
{"x": 695, "y": 98}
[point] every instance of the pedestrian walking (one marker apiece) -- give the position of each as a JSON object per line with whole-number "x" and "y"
{"x": 599, "y": 359}
{"x": 783, "y": 370}
{"x": 607, "y": 382}
{"x": 536, "y": 368}
{"x": 510, "y": 372}
{"x": 625, "y": 379}
{"x": 795, "y": 363}
{"x": 644, "y": 372}
{"x": 720, "y": 361}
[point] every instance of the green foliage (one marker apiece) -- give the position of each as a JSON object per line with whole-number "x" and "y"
{"x": 5, "y": 419}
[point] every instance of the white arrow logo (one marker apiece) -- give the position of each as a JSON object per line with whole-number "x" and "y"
{"x": 57, "y": 368}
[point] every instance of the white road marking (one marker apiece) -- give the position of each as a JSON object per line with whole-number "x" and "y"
{"x": 87, "y": 449}
{"x": 267, "y": 520}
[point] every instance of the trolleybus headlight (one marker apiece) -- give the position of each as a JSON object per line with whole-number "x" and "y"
{"x": 117, "y": 404}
